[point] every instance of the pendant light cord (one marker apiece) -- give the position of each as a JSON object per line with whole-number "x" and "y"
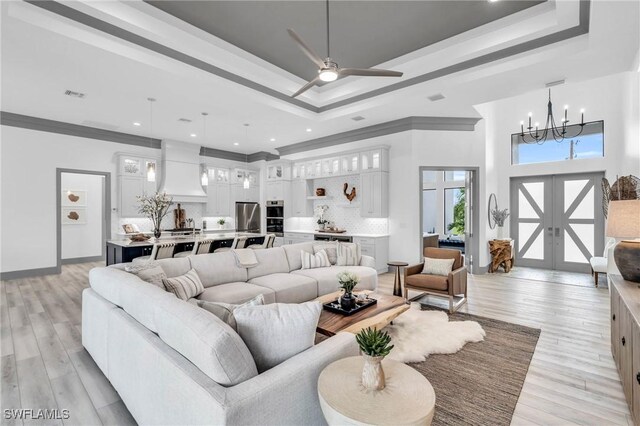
{"x": 328, "y": 45}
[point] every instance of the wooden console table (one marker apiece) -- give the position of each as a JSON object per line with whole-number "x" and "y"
{"x": 501, "y": 255}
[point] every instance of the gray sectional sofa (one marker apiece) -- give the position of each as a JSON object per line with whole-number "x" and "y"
{"x": 175, "y": 363}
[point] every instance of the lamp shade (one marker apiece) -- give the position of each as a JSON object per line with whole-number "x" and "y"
{"x": 624, "y": 219}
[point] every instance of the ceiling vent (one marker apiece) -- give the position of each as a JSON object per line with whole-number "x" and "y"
{"x": 357, "y": 118}
{"x": 554, "y": 83}
{"x": 74, "y": 94}
{"x": 184, "y": 120}
{"x": 436, "y": 97}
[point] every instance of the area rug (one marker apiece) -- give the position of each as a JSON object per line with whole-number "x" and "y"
{"x": 416, "y": 334}
{"x": 480, "y": 384}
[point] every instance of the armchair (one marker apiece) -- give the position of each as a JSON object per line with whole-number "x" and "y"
{"x": 453, "y": 286}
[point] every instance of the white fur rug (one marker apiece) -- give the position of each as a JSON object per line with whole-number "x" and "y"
{"x": 417, "y": 334}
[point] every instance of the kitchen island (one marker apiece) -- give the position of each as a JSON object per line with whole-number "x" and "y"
{"x": 124, "y": 250}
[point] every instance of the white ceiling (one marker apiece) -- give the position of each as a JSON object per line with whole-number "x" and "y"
{"x": 44, "y": 54}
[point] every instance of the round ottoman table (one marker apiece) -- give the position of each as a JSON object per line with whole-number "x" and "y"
{"x": 407, "y": 399}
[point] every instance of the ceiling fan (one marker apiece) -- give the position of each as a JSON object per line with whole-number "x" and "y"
{"x": 328, "y": 70}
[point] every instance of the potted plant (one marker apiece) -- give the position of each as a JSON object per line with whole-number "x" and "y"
{"x": 155, "y": 207}
{"x": 321, "y": 223}
{"x": 499, "y": 216}
{"x": 347, "y": 281}
{"x": 221, "y": 222}
{"x": 375, "y": 345}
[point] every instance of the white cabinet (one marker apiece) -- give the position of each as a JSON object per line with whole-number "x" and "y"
{"x": 133, "y": 182}
{"x": 349, "y": 164}
{"x": 218, "y": 200}
{"x": 300, "y": 205}
{"x": 313, "y": 169}
{"x": 297, "y": 171}
{"x": 376, "y": 247}
{"x": 238, "y": 177}
{"x": 278, "y": 171}
{"x": 239, "y": 193}
{"x": 330, "y": 167}
{"x": 374, "y": 194}
{"x": 218, "y": 175}
{"x": 374, "y": 160}
{"x": 297, "y": 237}
{"x": 277, "y": 190}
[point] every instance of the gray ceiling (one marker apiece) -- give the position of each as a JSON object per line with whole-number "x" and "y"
{"x": 363, "y": 33}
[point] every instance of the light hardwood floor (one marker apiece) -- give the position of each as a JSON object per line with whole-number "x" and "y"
{"x": 572, "y": 378}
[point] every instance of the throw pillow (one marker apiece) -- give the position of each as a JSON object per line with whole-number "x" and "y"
{"x": 330, "y": 247}
{"x": 437, "y": 266}
{"x": 276, "y": 332}
{"x": 149, "y": 271}
{"x": 348, "y": 254}
{"x": 318, "y": 260}
{"x": 185, "y": 286}
{"x": 224, "y": 311}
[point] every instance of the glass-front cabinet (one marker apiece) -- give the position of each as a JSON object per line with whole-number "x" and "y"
{"x": 349, "y": 163}
{"x": 371, "y": 160}
{"x": 330, "y": 167}
{"x": 136, "y": 176}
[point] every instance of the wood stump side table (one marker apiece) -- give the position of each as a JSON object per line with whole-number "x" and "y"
{"x": 501, "y": 255}
{"x": 407, "y": 399}
{"x": 397, "y": 282}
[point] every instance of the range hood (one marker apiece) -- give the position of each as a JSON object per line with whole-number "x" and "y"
{"x": 181, "y": 172}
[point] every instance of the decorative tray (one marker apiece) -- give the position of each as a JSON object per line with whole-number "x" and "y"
{"x": 360, "y": 305}
{"x": 332, "y": 231}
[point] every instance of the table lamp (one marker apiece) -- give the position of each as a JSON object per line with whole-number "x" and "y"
{"x": 624, "y": 222}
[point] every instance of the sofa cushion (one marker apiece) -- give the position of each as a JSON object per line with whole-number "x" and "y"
{"x": 205, "y": 340}
{"x": 293, "y": 254}
{"x": 312, "y": 261}
{"x": 175, "y": 266}
{"x": 428, "y": 282}
{"x": 236, "y": 293}
{"x": 440, "y": 267}
{"x": 217, "y": 268}
{"x": 289, "y": 288}
{"x": 224, "y": 311}
{"x": 441, "y": 253}
{"x": 274, "y": 333}
{"x": 185, "y": 286}
{"x": 330, "y": 247}
{"x": 327, "y": 278}
{"x": 270, "y": 261}
{"x": 150, "y": 272}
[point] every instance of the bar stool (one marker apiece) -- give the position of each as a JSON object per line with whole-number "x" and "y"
{"x": 238, "y": 243}
{"x": 159, "y": 251}
{"x": 199, "y": 247}
{"x": 269, "y": 239}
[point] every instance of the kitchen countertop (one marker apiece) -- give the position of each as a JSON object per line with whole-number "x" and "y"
{"x": 336, "y": 234}
{"x": 181, "y": 239}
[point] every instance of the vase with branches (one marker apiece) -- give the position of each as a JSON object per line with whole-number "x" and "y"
{"x": 499, "y": 217}
{"x": 155, "y": 208}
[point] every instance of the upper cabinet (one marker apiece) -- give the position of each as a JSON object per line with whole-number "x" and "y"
{"x": 374, "y": 194}
{"x": 218, "y": 192}
{"x": 349, "y": 163}
{"x": 134, "y": 181}
{"x": 374, "y": 160}
{"x": 331, "y": 167}
{"x": 278, "y": 171}
{"x": 238, "y": 177}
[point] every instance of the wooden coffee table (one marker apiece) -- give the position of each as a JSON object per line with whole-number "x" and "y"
{"x": 377, "y": 316}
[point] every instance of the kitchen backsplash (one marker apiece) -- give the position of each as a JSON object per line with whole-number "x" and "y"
{"x": 344, "y": 214}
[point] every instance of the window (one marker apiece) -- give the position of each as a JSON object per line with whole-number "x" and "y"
{"x": 454, "y": 175}
{"x": 589, "y": 144}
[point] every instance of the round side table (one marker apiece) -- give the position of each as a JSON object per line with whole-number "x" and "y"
{"x": 397, "y": 282}
{"x": 407, "y": 399}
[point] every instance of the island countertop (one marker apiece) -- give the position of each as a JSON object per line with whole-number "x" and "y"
{"x": 182, "y": 239}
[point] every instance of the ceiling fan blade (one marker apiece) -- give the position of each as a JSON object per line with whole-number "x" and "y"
{"x": 369, "y": 72}
{"x": 306, "y": 87}
{"x": 306, "y": 49}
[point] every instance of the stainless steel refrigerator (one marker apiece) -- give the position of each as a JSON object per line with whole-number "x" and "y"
{"x": 247, "y": 217}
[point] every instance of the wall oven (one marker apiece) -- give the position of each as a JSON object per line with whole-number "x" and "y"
{"x": 275, "y": 218}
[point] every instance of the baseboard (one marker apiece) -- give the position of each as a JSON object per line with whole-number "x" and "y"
{"x": 82, "y": 260}
{"x": 26, "y": 273}
{"x": 482, "y": 270}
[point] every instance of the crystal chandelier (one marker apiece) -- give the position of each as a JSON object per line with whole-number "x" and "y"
{"x": 536, "y": 135}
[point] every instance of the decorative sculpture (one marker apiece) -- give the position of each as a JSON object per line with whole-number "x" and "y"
{"x": 624, "y": 188}
{"x": 351, "y": 195}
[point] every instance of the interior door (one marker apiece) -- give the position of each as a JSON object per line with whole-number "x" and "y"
{"x": 556, "y": 221}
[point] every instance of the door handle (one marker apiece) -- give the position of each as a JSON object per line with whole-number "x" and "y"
{"x": 557, "y": 232}
{"x": 550, "y": 230}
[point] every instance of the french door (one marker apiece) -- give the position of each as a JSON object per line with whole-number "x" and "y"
{"x": 557, "y": 221}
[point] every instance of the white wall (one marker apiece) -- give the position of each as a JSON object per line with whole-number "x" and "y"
{"x": 84, "y": 240}
{"x": 613, "y": 99}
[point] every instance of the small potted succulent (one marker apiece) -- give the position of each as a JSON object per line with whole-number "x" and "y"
{"x": 347, "y": 281}
{"x": 375, "y": 345}
{"x": 221, "y": 222}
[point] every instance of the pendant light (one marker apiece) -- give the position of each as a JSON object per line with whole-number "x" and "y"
{"x": 246, "y": 184}
{"x": 151, "y": 165}
{"x": 204, "y": 178}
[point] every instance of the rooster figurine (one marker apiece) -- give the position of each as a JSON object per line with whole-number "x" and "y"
{"x": 351, "y": 195}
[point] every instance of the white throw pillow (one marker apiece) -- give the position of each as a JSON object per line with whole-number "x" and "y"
{"x": 318, "y": 260}
{"x": 185, "y": 286}
{"x": 224, "y": 311}
{"x": 437, "y": 266}
{"x": 331, "y": 247}
{"x": 276, "y": 332}
{"x": 348, "y": 254}
{"x": 149, "y": 271}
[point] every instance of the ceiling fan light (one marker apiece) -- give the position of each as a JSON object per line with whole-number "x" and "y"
{"x": 328, "y": 75}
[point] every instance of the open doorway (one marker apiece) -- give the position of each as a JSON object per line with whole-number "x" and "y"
{"x": 447, "y": 199}
{"x": 83, "y": 215}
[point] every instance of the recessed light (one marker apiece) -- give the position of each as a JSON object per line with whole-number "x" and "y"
{"x": 492, "y": 1}
{"x": 193, "y": 135}
{"x": 308, "y": 130}
{"x": 272, "y": 139}
{"x": 236, "y": 143}
{"x": 136, "y": 123}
